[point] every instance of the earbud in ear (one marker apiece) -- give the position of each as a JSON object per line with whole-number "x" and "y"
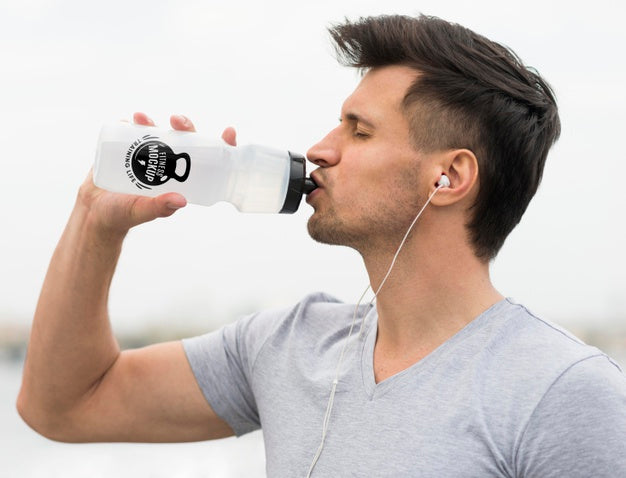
{"x": 444, "y": 182}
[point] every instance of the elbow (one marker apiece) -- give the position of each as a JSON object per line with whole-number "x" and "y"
{"x": 34, "y": 416}
{"x": 47, "y": 424}
{"x": 28, "y": 412}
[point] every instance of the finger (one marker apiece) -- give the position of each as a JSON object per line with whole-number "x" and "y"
{"x": 181, "y": 123}
{"x": 142, "y": 118}
{"x": 144, "y": 209}
{"x": 169, "y": 203}
{"x": 230, "y": 136}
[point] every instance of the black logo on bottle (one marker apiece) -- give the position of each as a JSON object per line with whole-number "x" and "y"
{"x": 150, "y": 162}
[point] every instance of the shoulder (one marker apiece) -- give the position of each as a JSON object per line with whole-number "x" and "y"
{"x": 551, "y": 398}
{"x": 526, "y": 342}
{"x": 236, "y": 347}
{"x": 247, "y": 336}
{"x": 578, "y": 426}
{"x": 522, "y": 357}
{"x": 533, "y": 352}
{"x": 313, "y": 318}
{"x": 311, "y": 310}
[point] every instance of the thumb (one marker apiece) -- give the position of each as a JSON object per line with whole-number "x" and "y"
{"x": 146, "y": 209}
{"x": 170, "y": 203}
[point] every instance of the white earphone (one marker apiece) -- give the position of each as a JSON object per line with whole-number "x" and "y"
{"x": 444, "y": 182}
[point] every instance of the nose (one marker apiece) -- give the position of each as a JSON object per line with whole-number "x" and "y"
{"x": 325, "y": 153}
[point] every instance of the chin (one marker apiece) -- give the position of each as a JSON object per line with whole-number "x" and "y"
{"x": 330, "y": 231}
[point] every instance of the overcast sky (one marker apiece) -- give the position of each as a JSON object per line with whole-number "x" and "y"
{"x": 267, "y": 68}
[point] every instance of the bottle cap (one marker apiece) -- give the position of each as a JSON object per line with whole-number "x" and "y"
{"x": 298, "y": 185}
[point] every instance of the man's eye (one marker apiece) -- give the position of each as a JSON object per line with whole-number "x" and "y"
{"x": 360, "y": 134}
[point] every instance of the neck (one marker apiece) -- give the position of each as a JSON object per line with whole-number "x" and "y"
{"x": 437, "y": 286}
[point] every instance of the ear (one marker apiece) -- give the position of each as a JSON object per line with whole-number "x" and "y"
{"x": 461, "y": 167}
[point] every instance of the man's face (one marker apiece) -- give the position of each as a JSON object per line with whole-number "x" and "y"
{"x": 368, "y": 173}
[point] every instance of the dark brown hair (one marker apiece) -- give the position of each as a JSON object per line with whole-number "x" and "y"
{"x": 470, "y": 93}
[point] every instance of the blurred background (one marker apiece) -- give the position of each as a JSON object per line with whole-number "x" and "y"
{"x": 268, "y": 69}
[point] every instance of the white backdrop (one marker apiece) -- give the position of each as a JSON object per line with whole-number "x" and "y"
{"x": 268, "y": 69}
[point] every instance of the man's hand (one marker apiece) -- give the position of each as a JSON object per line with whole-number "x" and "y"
{"x": 113, "y": 214}
{"x": 77, "y": 385}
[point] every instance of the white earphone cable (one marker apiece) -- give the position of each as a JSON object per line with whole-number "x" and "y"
{"x": 331, "y": 398}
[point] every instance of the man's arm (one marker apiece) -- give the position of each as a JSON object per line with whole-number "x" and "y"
{"x": 77, "y": 385}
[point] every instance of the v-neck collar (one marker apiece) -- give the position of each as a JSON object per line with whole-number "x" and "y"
{"x": 423, "y": 367}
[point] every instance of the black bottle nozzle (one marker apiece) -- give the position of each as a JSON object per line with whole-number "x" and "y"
{"x": 309, "y": 185}
{"x": 299, "y": 184}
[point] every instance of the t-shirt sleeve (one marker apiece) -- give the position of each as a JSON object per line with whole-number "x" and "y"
{"x": 578, "y": 429}
{"x": 222, "y": 363}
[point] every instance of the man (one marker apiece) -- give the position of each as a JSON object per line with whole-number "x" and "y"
{"x": 446, "y": 379}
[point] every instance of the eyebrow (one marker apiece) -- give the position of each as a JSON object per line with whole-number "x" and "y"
{"x": 359, "y": 119}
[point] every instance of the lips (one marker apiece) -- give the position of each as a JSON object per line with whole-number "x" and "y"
{"x": 316, "y": 178}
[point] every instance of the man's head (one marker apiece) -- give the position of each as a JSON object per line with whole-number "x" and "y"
{"x": 368, "y": 167}
{"x": 470, "y": 93}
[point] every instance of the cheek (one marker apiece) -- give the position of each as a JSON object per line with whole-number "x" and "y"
{"x": 376, "y": 177}
{"x": 394, "y": 193}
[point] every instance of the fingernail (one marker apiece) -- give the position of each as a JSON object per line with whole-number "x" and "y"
{"x": 176, "y": 203}
{"x": 184, "y": 120}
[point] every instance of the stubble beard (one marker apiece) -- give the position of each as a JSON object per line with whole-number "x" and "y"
{"x": 326, "y": 228}
{"x": 368, "y": 233}
{"x": 376, "y": 228}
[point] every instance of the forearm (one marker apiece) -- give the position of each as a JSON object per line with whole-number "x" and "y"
{"x": 71, "y": 345}
{"x": 77, "y": 386}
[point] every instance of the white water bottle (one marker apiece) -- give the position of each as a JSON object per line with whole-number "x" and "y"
{"x": 144, "y": 160}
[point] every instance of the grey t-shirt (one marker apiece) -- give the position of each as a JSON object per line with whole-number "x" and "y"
{"x": 510, "y": 395}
